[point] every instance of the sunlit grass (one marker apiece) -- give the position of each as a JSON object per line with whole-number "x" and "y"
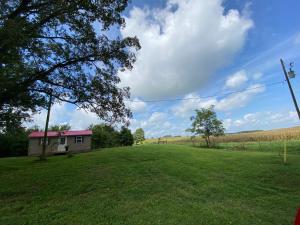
{"x": 151, "y": 184}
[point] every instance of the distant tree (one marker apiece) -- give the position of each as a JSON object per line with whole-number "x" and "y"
{"x": 60, "y": 127}
{"x": 125, "y": 136}
{"x": 104, "y": 136}
{"x": 206, "y": 124}
{"x": 33, "y": 128}
{"x": 63, "y": 47}
{"x": 139, "y": 136}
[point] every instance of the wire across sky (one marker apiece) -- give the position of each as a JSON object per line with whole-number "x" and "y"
{"x": 212, "y": 96}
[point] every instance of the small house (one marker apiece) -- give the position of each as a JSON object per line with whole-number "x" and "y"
{"x": 60, "y": 142}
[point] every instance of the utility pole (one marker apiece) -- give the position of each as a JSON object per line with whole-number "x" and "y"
{"x": 43, "y": 156}
{"x": 290, "y": 87}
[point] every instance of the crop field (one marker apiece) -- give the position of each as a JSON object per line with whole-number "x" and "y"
{"x": 272, "y": 140}
{"x": 151, "y": 185}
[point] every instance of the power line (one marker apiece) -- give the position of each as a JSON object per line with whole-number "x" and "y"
{"x": 211, "y": 96}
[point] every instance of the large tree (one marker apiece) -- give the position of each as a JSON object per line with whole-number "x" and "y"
{"x": 104, "y": 136}
{"x": 206, "y": 124}
{"x": 125, "y": 137}
{"x": 139, "y": 135}
{"x": 62, "y": 47}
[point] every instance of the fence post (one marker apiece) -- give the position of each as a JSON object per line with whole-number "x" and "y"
{"x": 284, "y": 152}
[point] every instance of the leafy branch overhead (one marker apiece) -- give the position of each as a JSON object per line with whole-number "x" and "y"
{"x": 63, "y": 46}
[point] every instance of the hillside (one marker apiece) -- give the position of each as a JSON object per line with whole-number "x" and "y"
{"x": 151, "y": 184}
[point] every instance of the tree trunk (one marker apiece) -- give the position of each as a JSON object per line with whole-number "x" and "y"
{"x": 207, "y": 143}
{"x": 43, "y": 155}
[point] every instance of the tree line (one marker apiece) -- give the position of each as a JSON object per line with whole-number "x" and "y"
{"x": 14, "y": 141}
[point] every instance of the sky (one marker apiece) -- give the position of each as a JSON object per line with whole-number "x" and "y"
{"x": 201, "y": 51}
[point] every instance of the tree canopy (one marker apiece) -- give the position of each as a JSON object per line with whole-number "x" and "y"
{"x": 125, "y": 137}
{"x": 105, "y": 136}
{"x": 62, "y": 47}
{"x": 206, "y": 124}
{"x": 61, "y": 127}
{"x": 139, "y": 135}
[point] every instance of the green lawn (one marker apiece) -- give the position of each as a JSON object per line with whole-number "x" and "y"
{"x": 151, "y": 184}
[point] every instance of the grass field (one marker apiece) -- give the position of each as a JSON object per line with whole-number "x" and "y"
{"x": 151, "y": 184}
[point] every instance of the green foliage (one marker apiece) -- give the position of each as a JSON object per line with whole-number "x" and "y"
{"x": 14, "y": 142}
{"x": 206, "y": 124}
{"x": 151, "y": 185}
{"x": 63, "y": 47}
{"x": 34, "y": 128}
{"x": 105, "y": 136}
{"x": 125, "y": 137}
{"x": 139, "y": 136}
{"x": 62, "y": 127}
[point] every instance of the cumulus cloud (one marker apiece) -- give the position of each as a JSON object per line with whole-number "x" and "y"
{"x": 239, "y": 99}
{"x": 157, "y": 124}
{"x": 61, "y": 114}
{"x": 187, "y": 107}
{"x": 56, "y": 115}
{"x": 182, "y": 45}
{"x": 157, "y": 117}
{"x": 136, "y": 105}
{"x": 233, "y": 101}
{"x": 236, "y": 80}
{"x": 81, "y": 119}
{"x": 258, "y": 120}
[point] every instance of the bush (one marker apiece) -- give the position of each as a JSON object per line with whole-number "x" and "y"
{"x": 13, "y": 145}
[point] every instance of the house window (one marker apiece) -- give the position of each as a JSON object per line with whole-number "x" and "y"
{"x": 42, "y": 141}
{"x": 78, "y": 139}
{"x": 62, "y": 141}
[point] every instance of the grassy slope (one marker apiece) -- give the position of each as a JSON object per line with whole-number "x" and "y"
{"x": 151, "y": 184}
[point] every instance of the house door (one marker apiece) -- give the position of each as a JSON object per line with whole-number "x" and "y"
{"x": 62, "y": 142}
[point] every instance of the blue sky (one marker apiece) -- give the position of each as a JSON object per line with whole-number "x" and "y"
{"x": 196, "y": 48}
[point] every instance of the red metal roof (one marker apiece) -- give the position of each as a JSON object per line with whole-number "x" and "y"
{"x": 36, "y": 134}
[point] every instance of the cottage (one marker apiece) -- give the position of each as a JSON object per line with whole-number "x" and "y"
{"x": 60, "y": 142}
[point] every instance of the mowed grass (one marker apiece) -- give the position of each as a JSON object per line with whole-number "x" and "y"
{"x": 151, "y": 184}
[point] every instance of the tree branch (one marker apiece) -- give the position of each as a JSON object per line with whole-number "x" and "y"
{"x": 21, "y": 8}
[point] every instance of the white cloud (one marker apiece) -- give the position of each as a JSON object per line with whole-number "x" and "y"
{"x": 182, "y": 48}
{"x": 236, "y": 80}
{"x": 297, "y": 39}
{"x": 227, "y": 123}
{"x": 257, "y": 76}
{"x": 136, "y": 105}
{"x": 58, "y": 110}
{"x": 61, "y": 114}
{"x": 233, "y": 101}
{"x": 239, "y": 99}
{"x": 80, "y": 119}
{"x": 156, "y": 125}
{"x": 261, "y": 120}
{"x": 187, "y": 107}
{"x": 157, "y": 117}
